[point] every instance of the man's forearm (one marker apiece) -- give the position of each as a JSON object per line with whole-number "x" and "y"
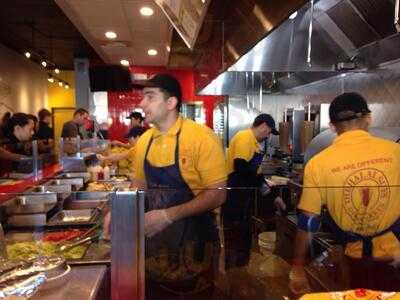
{"x": 303, "y": 239}
{"x": 213, "y": 197}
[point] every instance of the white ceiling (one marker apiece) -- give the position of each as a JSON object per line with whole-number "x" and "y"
{"x": 136, "y": 33}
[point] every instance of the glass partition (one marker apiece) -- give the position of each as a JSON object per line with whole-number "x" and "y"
{"x": 231, "y": 243}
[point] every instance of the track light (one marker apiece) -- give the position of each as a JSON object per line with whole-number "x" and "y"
{"x": 60, "y": 83}
{"x": 44, "y": 63}
{"x": 66, "y": 86}
{"x": 57, "y": 71}
{"x": 27, "y": 54}
{"x": 50, "y": 78}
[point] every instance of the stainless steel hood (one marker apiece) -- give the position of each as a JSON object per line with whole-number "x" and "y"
{"x": 356, "y": 36}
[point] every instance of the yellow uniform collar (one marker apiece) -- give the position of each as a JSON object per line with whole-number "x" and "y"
{"x": 350, "y": 136}
{"x": 172, "y": 131}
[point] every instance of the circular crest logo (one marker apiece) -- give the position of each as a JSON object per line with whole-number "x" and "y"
{"x": 366, "y": 196}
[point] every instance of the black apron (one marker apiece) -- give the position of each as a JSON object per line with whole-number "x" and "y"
{"x": 239, "y": 200}
{"x": 182, "y": 252}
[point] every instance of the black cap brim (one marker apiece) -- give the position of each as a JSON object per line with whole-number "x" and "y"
{"x": 141, "y": 84}
{"x": 274, "y": 131}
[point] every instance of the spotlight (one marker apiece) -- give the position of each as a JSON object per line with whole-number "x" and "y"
{"x": 60, "y": 83}
{"x": 50, "y": 79}
{"x": 57, "y": 71}
{"x": 27, "y": 54}
{"x": 44, "y": 64}
{"x": 66, "y": 86}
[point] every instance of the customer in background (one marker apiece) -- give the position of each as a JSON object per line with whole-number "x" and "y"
{"x": 18, "y": 129}
{"x": 357, "y": 179}
{"x": 35, "y": 121}
{"x": 75, "y": 127}
{"x": 136, "y": 119}
{"x": 45, "y": 132}
{"x": 244, "y": 156}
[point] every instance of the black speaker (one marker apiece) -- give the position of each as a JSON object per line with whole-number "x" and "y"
{"x": 110, "y": 78}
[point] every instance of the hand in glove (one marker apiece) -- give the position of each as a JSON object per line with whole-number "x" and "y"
{"x": 155, "y": 221}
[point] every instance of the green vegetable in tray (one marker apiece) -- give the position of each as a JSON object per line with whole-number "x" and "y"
{"x": 28, "y": 250}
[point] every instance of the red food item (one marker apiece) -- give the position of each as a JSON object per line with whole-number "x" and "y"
{"x": 360, "y": 293}
{"x": 62, "y": 235}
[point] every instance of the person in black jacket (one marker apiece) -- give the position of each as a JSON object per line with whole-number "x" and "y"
{"x": 45, "y": 132}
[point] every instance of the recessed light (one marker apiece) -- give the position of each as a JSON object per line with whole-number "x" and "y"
{"x": 57, "y": 71}
{"x": 146, "y": 11}
{"x": 168, "y": 48}
{"x": 152, "y": 52}
{"x": 44, "y": 64}
{"x": 27, "y": 54}
{"x": 124, "y": 62}
{"x": 110, "y": 35}
{"x": 293, "y": 15}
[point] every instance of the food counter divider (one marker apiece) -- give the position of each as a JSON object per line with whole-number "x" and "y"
{"x": 127, "y": 209}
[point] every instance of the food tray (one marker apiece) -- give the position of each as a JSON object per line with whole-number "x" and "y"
{"x": 74, "y": 217}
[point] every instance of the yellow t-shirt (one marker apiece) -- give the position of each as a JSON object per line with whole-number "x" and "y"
{"x": 131, "y": 158}
{"x": 201, "y": 156}
{"x": 243, "y": 145}
{"x": 358, "y": 179}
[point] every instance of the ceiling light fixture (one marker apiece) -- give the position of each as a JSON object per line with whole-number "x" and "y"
{"x": 124, "y": 62}
{"x": 27, "y": 54}
{"x": 293, "y": 15}
{"x": 57, "y": 71}
{"x": 168, "y": 48}
{"x": 204, "y": 1}
{"x": 66, "y": 86}
{"x": 50, "y": 78}
{"x": 110, "y": 35}
{"x": 44, "y": 64}
{"x": 152, "y": 52}
{"x": 60, "y": 83}
{"x": 146, "y": 11}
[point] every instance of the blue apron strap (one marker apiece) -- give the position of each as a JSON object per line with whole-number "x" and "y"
{"x": 345, "y": 237}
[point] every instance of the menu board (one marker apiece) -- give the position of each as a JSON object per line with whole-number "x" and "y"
{"x": 186, "y": 16}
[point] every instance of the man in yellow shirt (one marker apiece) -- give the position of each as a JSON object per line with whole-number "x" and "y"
{"x": 245, "y": 154}
{"x": 181, "y": 165}
{"x": 357, "y": 179}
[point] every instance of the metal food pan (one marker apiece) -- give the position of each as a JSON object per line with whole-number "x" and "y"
{"x": 74, "y": 217}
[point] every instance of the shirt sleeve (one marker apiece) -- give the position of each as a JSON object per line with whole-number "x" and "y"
{"x": 242, "y": 148}
{"x": 131, "y": 157}
{"x": 140, "y": 151}
{"x": 210, "y": 162}
{"x": 311, "y": 197}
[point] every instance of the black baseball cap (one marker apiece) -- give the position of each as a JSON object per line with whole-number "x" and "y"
{"x": 348, "y": 106}
{"x": 267, "y": 119}
{"x": 163, "y": 81}
{"x": 135, "y": 131}
{"x": 135, "y": 115}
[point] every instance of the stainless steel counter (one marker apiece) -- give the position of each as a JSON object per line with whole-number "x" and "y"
{"x": 84, "y": 284}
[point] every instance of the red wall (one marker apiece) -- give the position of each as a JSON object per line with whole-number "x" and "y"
{"x": 120, "y": 104}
